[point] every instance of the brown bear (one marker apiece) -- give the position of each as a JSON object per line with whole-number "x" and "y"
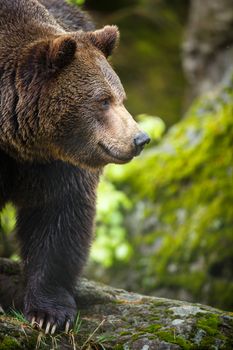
{"x": 62, "y": 119}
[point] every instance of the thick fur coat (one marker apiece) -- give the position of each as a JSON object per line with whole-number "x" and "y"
{"x": 61, "y": 120}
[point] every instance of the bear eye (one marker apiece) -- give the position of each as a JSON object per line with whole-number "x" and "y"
{"x": 105, "y": 103}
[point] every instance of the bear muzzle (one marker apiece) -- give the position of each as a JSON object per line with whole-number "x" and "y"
{"x": 140, "y": 140}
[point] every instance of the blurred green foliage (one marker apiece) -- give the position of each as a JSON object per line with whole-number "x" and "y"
{"x": 111, "y": 244}
{"x": 7, "y": 226}
{"x": 7, "y": 219}
{"x": 180, "y": 219}
{"x": 76, "y": 2}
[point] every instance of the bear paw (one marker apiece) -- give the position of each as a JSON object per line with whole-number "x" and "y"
{"x": 50, "y": 311}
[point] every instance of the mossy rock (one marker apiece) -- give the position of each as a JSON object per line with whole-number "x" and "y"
{"x": 182, "y": 218}
{"x": 113, "y": 319}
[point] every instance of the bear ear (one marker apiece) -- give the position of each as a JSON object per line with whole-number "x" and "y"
{"x": 44, "y": 58}
{"x": 105, "y": 39}
{"x": 61, "y": 52}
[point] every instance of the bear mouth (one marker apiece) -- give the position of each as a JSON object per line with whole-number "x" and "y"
{"x": 114, "y": 155}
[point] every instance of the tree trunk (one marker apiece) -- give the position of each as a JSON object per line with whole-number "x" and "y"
{"x": 207, "y": 49}
{"x": 111, "y": 318}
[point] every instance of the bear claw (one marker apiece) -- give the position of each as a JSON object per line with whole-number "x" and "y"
{"x": 33, "y": 321}
{"x": 49, "y": 327}
{"x": 67, "y": 327}
{"x": 41, "y": 323}
{"x": 51, "y": 315}
{"x": 53, "y": 329}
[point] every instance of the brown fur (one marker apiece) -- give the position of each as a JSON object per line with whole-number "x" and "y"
{"x": 50, "y": 81}
{"x": 61, "y": 116}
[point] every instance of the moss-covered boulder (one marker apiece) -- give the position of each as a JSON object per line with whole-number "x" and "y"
{"x": 181, "y": 219}
{"x": 114, "y": 319}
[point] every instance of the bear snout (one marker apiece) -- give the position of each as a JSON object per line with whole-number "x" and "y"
{"x": 140, "y": 140}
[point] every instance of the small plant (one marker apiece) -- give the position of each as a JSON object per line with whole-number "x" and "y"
{"x": 18, "y": 315}
{"x": 77, "y": 324}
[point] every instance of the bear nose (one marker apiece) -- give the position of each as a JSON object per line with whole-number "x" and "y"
{"x": 140, "y": 140}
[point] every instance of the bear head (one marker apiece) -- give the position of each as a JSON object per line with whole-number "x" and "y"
{"x": 71, "y": 101}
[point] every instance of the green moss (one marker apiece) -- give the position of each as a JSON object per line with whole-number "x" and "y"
{"x": 212, "y": 337}
{"x": 172, "y": 338}
{"x": 10, "y": 343}
{"x": 153, "y": 318}
{"x": 125, "y": 333}
{"x": 152, "y": 328}
{"x": 118, "y": 347}
{"x": 210, "y": 324}
{"x": 207, "y": 344}
{"x": 136, "y": 336}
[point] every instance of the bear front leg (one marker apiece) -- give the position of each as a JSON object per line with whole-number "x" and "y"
{"x": 54, "y": 244}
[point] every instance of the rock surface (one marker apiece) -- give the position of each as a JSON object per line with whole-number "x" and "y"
{"x": 115, "y": 319}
